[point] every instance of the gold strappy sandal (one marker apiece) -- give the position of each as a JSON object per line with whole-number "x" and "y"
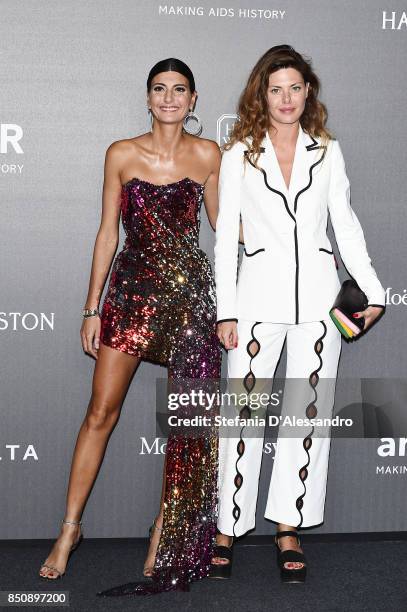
{"x": 147, "y": 570}
{"x": 73, "y": 547}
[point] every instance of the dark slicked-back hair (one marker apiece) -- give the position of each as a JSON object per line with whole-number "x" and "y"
{"x": 174, "y": 65}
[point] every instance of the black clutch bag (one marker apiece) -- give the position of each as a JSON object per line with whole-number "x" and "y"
{"x": 350, "y": 299}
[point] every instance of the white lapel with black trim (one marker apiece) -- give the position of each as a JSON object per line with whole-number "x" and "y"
{"x": 307, "y": 156}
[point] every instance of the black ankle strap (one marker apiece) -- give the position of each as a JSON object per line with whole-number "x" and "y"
{"x": 223, "y": 552}
{"x": 282, "y": 534}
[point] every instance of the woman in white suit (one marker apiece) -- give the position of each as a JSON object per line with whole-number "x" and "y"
{"x": 281, "y": 174}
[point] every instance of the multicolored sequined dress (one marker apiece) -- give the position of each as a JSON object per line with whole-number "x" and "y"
{"x": 161, "y": 305}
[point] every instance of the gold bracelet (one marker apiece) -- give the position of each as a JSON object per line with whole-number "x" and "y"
{"x": 90, "y": 312}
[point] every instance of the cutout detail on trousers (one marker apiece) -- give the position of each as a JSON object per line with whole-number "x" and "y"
{"x": 253, "y": 348}
{"x": 311, "y": 412}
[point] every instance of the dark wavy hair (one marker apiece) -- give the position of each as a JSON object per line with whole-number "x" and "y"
{"x": 175, "y": 65}
{"x": 253, "y": 115}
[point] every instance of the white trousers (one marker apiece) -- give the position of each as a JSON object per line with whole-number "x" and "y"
{"x": 298, "y": 482}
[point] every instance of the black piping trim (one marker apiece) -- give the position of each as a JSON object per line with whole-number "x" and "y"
{"x": 314, "y": 145}
{"x": 327, "y": 251}
{"x": 307, "y": 441}
{"x": 378, "y": 306}
{"x": 254, "y": 252}
{"x": 297, "y": 306}
{"x": 310, "y": 178}
{"x": 250, "y": 372}
{"x": 295, "y": 229}
{"x": 225, "y": 320}
{"x": 268, "y": 186}
{"x": 238, "y": 480}
{"x": 236, "y": 512}
{"x": 297, "y": 271}
{"x": 311, "y": 147}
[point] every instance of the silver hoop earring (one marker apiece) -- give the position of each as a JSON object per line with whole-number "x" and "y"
{"x": 198, "y": 127}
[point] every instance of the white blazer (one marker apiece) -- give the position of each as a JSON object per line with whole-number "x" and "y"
{"x": 288, "y": 272}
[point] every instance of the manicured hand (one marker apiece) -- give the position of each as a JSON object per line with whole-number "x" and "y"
{"x": 227, "y": 334}
{"x": 371, "y": 313}
{"x": 90, "y": 335}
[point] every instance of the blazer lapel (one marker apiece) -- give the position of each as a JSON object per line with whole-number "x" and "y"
{"x": 310, "y": 155}
{"x": 270, "y": 164}
{"x": 306, "y": 157}
{"x": 270, "y": 168}
{"x": 302, "y": 162}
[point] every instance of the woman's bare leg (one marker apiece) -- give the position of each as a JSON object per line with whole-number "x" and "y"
{"x": 113, "y": 372}
{"x": 156, "y": 533}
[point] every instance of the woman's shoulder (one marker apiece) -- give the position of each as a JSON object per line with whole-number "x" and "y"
{"x": 332, "y": 153}
{"x": 126, "y": 146}
{"x": 235, "y": 150}
{"x": 203, "y": 146}
{"x": 328, "y": 144}
{"x": 334, "y": 150}
{"x": 204, "y": 152}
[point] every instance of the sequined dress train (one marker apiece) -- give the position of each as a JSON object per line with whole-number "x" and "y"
{"x": 160, "y": 305}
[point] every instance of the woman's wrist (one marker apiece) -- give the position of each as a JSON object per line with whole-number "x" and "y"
{"x": 91, "y": 308}
{"x": 91, "y": 303}
{"x": 90, "y": 312}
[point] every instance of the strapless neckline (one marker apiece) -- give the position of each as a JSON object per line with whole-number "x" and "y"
{"x": 186, "y": 178}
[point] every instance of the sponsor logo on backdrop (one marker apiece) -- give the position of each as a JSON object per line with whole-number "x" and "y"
{"x": 10, "y": 137}
{"x": 221, "y": 12}
{"x": 396, "y": 298}
{"x": 269, "y": 448}
{"x": 156, "y": 446}
{"x": 224, "y": 126}
{"x": 28, "y": 321}
{"x": 18, "y": 452}
{"x": 392, "y": 447}
{"x": 394, "y": 20}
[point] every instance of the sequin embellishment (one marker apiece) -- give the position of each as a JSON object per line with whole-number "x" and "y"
{"x": 160, "y": 305}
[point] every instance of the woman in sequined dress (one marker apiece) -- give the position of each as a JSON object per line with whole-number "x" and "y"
{"x": 159, "y": 306}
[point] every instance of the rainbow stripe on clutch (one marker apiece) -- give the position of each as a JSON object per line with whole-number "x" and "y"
{"x": 347, "y": 328}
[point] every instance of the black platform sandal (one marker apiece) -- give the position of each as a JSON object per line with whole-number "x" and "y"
{"x": 287, "y": 556}
{"x": 222, "y": 570}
